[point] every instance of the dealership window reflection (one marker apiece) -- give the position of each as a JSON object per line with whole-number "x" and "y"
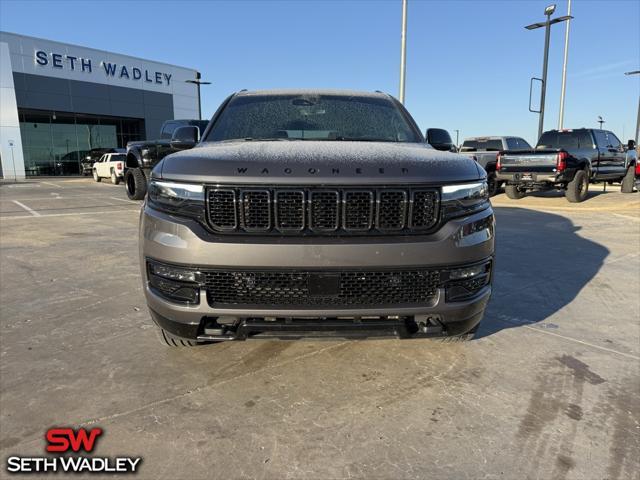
{"x": 54, "y": 143}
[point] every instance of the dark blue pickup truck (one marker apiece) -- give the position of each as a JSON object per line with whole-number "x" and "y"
{"x": 569, "y": 160}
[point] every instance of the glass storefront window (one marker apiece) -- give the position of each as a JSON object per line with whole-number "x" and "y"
{"x": 55, "y": 143}
{"x": 65, "y": 145}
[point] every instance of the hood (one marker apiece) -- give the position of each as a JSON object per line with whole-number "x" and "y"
{"x": 317, "y": 162}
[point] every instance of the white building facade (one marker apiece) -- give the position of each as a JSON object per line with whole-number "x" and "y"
{"x": 60, "y": 101}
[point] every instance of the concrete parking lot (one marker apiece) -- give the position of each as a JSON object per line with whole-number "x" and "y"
{"x": 549, "y": 389}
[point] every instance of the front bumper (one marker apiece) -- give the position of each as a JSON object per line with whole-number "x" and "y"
{"x": 182, "y": 242}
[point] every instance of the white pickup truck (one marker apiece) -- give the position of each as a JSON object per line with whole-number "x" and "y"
{"x": 110, "y": 165}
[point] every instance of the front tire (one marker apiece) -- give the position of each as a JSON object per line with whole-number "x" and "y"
{"x": 578, "y": 188}
{"x": 114, "y": 178}
{"x": 628, "y": 180}
{"x": 136, "y": 183}
{"x": 96, "y": 177}
{"x": 169, "y": 340}
{"x": 513, "y": 192}
{"x": 493, "y": 183}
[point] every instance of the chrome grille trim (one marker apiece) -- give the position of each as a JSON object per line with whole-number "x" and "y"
{"x": 324, "y": 213}
{"x": 385, "y": 209}
{"x": 346, "y": 211}
{"x": 318, "y": 210}
{"x": 227, "y": 226}
{"x": 251, "y": 218}
{"x": 280, "y": 224}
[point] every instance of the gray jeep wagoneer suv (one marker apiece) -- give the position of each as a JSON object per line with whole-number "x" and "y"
{"x": 314, "y": 213}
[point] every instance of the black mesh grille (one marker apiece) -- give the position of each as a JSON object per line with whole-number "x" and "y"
{"x": 286, "y": 289}
{"x": 290, "y": 210}
{"x": 222, "y": 209}
{"x": 318, "y": 211}
{"x": 392, "y": 209}
{"x": 256, "y": 210}
{"x": 423, "y": 209}
{"x": 358, "y": 210}
{"x": 323, "y": 212}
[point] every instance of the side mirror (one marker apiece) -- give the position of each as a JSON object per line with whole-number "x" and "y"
{"x": 631, "y": 144}
{"x": 185, "y": 137}
{"x": 440, "y": 139}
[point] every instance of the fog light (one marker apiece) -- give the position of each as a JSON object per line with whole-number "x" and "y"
{"x": 468, "y": 272}
{"x": 174, "y": 273}
{"x": 174, "y": 290}
{"x": 464, "y": 283}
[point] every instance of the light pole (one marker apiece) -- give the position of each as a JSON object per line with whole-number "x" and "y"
{"x": 564, "y": 68}
{"x": 403, "y": 50}
{"x": 198, "y": 82}
{"x": 547, "y": 24}
{"x": 457, "y": 137}
{"x": 601, "y": 121}
{"x": 636, "y": 72}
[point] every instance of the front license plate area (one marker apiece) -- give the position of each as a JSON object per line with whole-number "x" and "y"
{"x": 324, "y": 285}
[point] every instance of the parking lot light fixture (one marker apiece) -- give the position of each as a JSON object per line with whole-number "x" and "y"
{"x": 564, "y": 68}
{"x": 636, "y": 72}
{"x": 547, "y": 24}
{"x": 198, "y": 82}
{"x": 403, "y": 50}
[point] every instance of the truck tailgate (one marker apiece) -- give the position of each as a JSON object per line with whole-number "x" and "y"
{"x": 540, "y": 161}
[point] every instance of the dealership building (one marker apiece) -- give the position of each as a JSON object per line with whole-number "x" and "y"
{"x": 59, "y": 101}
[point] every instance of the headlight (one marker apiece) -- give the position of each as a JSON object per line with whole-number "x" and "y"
{"x": 182, "y": 199}
{"x": 458, "y": 200}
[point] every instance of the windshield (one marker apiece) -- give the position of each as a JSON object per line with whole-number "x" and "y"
{"x": 473, "y": 145}
{"x": 312, "y": 117}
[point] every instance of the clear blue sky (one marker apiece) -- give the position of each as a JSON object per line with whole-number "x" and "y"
{"x": 468, "y": 62}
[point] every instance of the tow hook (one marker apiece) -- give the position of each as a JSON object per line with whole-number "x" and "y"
{"x": 429, "y": 324}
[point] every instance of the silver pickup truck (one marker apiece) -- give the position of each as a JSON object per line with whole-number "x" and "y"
{"x": 485, "y": 150}
{"x": 314, "y": 213}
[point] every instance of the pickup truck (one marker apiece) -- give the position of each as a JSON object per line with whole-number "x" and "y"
{"x": 90, "y": 157}
{"x": 109, "y": 165}
{"x": 485, "y": 151}
{"x": 313, "y": 213}
{"x": 569, "y": 160}
{"x": 142, "y": 156}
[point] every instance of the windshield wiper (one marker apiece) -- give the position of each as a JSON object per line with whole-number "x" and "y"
{"x": 252, "y": 139}
{"x": 362, "y": 139}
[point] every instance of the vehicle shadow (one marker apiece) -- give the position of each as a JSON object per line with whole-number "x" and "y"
{"x": 541, "y": 265}
{"x": 557, "y": 194}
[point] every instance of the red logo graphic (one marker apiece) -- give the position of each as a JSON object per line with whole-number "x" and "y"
{"x": 65, "y": 439}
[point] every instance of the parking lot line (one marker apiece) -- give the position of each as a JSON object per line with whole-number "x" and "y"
{"x": 53, "y": 184}
{"x": 122, "y": 200}
{"x": 30, "y": 210}
{"x": 627, "y": 216}
{"x": 37, "y": 215}
{"x": 570, "y": 339}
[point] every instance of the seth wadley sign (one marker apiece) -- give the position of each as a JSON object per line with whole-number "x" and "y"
{"x": 65, "y": 61}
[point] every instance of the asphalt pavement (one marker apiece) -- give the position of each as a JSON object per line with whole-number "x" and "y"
{"x": 549, "y": 389}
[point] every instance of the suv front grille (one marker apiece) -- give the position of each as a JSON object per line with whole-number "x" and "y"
{"x": 315, "y": 210}
{"x": 320, "y": 289}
